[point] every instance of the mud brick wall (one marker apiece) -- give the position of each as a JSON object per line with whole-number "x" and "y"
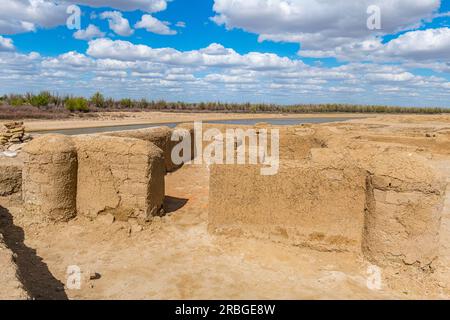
{"x": 312, "y": 206}
{"x": 160, "y": 136}
{"x": 10, "y": 176}
{"x": 49, "y": 181}
{"x": 378, "y": 200}
{"x": 404, "y": 210}
{"x": 121, "y": 176}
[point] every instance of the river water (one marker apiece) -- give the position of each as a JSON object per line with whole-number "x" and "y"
{"x": 251, "y": 122}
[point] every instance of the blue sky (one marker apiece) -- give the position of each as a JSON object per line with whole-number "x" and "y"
{"x": 278, "y": 51}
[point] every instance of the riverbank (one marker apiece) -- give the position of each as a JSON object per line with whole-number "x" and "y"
{"x": 109, "y": 119}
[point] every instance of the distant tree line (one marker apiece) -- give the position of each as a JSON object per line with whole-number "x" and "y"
{"x": 49, "y": 102}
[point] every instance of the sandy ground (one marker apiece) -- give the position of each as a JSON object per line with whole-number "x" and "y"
{"x": 135, "y": 118}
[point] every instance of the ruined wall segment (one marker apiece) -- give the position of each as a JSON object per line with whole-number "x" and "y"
{"x": 404, "y": 211}
{"x": 383, "y": 200}
{"x": 120, "y": 176}
{"x": 160, "y": 136}
{"x": 10, "y": 176}
{"x": 50, "y": 178}
{"x": 315, "y": 206}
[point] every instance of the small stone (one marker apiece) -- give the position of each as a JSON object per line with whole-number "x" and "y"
{"x": 107, "y": 219}
{"x": 94, "y": 276}
{"x": 10, "y": 154}
{"x": 135, "y": 227}
{"x": 15, "y": 147}
{"x": 156, "y": 220}
{"x": 18, "y": 130}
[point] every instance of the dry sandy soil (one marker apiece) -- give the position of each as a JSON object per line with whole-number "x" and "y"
{"x": 176, "y": 258}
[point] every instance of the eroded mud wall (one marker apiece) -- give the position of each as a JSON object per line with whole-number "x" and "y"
{"x": 313, "y": 206}
{"x": 50, "y": 178}
{"x": 160, "y": 136}
{"x": 121, "y": 176}
{"x": 10, "y": 176}
{"x": 404, "y": 210}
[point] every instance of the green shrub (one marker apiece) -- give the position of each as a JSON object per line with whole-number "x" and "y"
{"x": 16, "y": 100}
{"x": 43, "y": 99}
{"x": 110, "y": 103}
{"x": 97, "y": 100}
{"x": 126, "y": 103}
{"x": 143, "y": 104}
{"x": 77, "y": 104}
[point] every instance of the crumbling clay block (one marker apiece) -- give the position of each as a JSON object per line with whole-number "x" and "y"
{"x": 50, "y": 177}
{"x": 404, "y": 211}
{"x": 10, "y": 176}
{"x": 306, "y": 205}
{"x": 159, "y": 136}
{"x": 119, "y": 176}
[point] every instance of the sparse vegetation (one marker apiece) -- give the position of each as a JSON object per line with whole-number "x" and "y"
{"x": 43, "y": 99}
{"x": 48, "y": 105}
{"x": 77, "y": 104}
{"x": 126, "y": 103}
{"x": 97, "y": 100}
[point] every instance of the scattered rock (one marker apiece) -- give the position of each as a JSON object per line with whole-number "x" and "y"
{"x": 9, "y": 154}
{"x": 16, "y": 147}
{"x": 157, "y": 220}
{"x": 107, "y": 219}
{"x": 135, "y": 227}
{"x": 94, "y": 276}
{"x": 13, "y": 133}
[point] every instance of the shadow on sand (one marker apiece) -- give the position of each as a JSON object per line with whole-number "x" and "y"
{"x": 33, "y": 272}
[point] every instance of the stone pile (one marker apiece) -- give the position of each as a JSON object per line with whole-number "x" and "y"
{"x": 13, "y": 133}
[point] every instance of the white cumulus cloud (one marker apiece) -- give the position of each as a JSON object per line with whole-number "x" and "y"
{"x": 118, "y": 23}
{"x": 322, "y": 26}
{"x": 18, "y": 16}
{"x": 6, "y": 44}
{"x": 151, "y": 24}
{"x": 430, "y": 44}
{"x": 123, "y": 69}
{"x": 214, "y": 55}
{"x": 89, "y": 33}
{"x": 126, "y": 5}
